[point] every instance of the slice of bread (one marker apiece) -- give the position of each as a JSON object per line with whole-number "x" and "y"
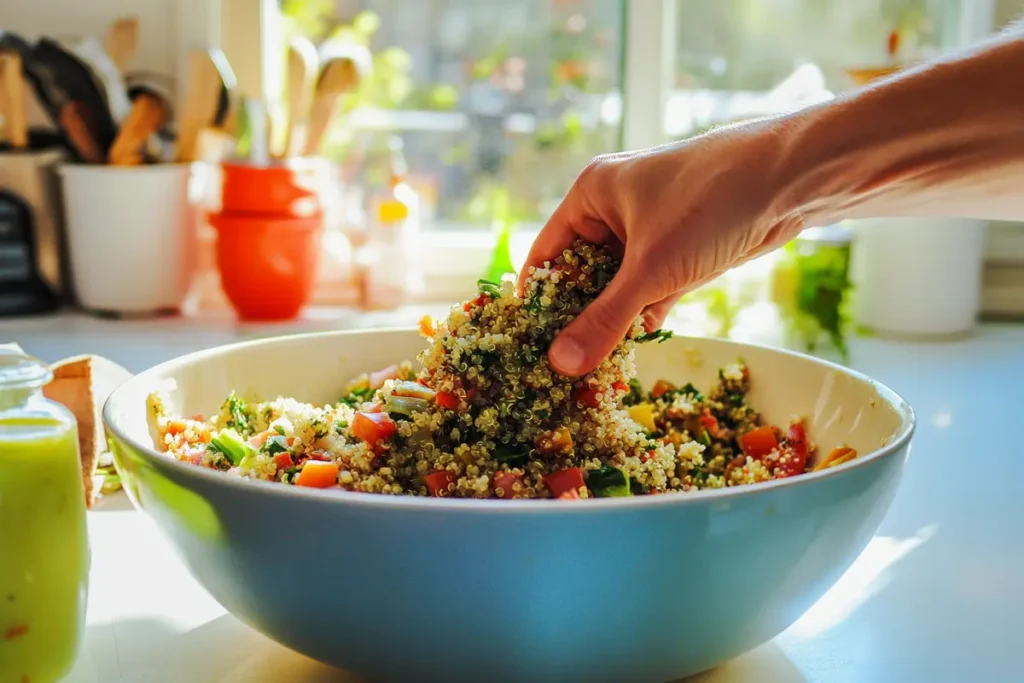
{"x": 82, "y": 384}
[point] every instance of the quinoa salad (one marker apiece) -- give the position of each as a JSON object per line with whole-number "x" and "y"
{"x": 487, "y": 417}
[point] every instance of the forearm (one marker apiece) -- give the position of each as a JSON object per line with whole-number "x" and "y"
{"x": 945, "y": 139}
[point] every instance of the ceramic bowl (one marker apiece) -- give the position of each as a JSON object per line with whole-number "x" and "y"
{"x": 422, "y": 589}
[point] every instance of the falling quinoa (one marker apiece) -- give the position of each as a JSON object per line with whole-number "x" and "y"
{"x": 487, "y": 417}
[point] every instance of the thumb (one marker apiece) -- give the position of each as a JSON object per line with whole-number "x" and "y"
{"x": 588, "y": 340}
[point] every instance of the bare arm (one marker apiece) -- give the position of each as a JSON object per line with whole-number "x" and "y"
{"x": 944, "y": 139}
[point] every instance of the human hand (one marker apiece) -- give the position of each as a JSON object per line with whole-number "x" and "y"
{"x": 682, "y": 214}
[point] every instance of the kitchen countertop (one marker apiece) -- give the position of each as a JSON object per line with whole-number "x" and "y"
{"x": 936, "y": 596}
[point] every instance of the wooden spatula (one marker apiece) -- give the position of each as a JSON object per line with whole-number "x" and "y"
{"x": 303, "y": 64}
{"x": 121, "y": 41}
{"x": 203, "y": 100}
{"x": 12, "y": 100}
{"x": 338, "y": 76}
{"x": 148, "y": 114}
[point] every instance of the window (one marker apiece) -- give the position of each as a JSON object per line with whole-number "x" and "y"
{"x": 740, "y": 58}
{"x": 515, "y": 96}
{"x": 486, "y": 95}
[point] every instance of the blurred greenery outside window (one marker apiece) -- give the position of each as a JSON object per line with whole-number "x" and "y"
{"x": 511, "y": 98}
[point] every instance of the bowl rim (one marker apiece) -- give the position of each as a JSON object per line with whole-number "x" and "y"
{"x": 428, "y": 504}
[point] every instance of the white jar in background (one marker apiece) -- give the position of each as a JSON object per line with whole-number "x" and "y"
{"x": 917, "y": 277}
{"x": 132, "y": 237}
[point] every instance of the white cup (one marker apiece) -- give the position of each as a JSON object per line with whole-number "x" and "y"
{"x": 131, "y": 235}
{"x": 918, "y": 277}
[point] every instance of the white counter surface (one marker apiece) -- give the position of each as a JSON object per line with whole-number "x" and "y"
{"x": 937, "y": 596}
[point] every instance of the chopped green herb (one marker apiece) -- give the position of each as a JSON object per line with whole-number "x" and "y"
{"x": 230, "y": 443}
{"x": 236, "y": 409}
{"x": 357, "y": 396}
{"x": 513, "y": 455}
{"x": 275, "y": 445}
{"x": 735, "y": 400}
{"x": 340, "y": 425}
{"x": 279, "y": 429}
{"x": 608, "y": 482}
{"x": 705, "y": 438}
{"x": 491, "y": 289}
{"x": 656, "y": 335}
{"x": 635, "y": 395}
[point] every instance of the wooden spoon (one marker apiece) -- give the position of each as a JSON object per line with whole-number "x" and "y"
{"x": 148, "y": 114}
{"x": 204, "y": 99}
{"x": 121, "y": 41}
{"x": 303, "y": 64}
{"x": 12, "y": 100}
{"x": 338, "y": 76}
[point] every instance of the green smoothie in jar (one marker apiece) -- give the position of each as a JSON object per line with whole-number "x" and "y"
{"x": 44, "y": 549}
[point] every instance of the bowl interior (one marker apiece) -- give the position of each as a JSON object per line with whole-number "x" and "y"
{"x": 842, "y": 407}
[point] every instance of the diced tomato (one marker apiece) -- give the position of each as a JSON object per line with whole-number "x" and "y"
{"x": 372, "y": 427}
{"x": 620, "y": 387}
{"x": 481, "y": 299}
{"x": 647, "y": 457}
{"x": 793, "y": 459}
{"x": 378, "y": 378}
{"x": 661, "y": 387}
{"x": 759, "y": 442}
{"x": 318, "y": 454}
{"x": 504, "y": 482}
{"x": 438, "y": 483}
{"x": 284, "y": 461}
{"x": 318, "y": 474}
{"x": 198, "y": 417}
{"x": 709, "y": 422}
{"x": 564, "y": 480}
{"x": 587, "y": 396}
{"x": 423, "y": 381}
{"x": 448, "y": 400}
{"x": 571, "y": 494}
{"x": 797, "y": 439}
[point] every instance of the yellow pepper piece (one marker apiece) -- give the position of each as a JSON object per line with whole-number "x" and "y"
{"x": 643, "y": 415}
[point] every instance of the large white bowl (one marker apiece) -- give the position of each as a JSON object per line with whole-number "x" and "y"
{"x": 403, "y": 588}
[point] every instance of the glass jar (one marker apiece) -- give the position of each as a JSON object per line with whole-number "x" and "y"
{"x": 44, "y": 546}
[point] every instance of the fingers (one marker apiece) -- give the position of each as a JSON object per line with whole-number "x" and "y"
{"x": 655, "y": 314}
{"x": 566, "y": 223}
{"x": 588, "y": 340}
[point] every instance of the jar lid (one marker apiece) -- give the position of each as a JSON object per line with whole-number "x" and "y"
{"x": 18, "y": 370}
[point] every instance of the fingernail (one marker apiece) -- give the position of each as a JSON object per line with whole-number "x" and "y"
{"x": 567, "y": 355}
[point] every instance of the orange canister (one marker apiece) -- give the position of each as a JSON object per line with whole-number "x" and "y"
{"x": 269, "y": 235}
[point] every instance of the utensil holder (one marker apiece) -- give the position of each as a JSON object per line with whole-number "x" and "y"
{"x": 131, "y": 236}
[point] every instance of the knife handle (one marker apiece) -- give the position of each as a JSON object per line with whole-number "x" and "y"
{"x": 73, "y": 121}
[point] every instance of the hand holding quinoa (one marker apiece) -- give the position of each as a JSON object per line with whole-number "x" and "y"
{"x": 488, "y": 417}
{"x": 941, "y": 139}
